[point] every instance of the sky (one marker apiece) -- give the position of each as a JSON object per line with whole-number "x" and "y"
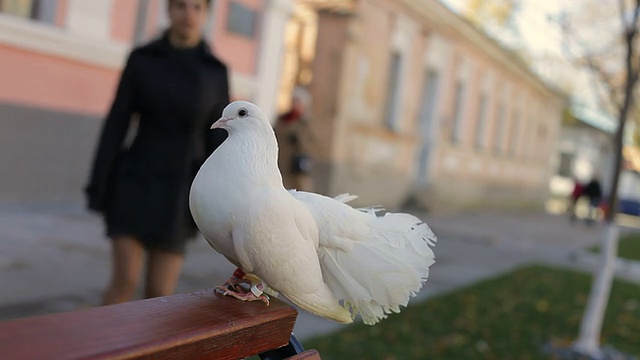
{"x": 542, "y": 40}
{"x": 536, "y": 29}
{"x": 532, "y": 21}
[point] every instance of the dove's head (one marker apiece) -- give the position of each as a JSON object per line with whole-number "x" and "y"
{"x": 241, "y": 115}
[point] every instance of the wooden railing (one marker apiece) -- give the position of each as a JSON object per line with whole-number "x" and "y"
{"x": 199, "y": 325}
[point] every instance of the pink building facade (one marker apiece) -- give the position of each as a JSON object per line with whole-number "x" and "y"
{"x": 60, "y": 61}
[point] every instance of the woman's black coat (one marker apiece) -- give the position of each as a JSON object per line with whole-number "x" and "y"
{"x": 143, "y": 189}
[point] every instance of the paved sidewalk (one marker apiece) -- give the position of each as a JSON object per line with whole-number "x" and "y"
{"x": 57, "y": 259}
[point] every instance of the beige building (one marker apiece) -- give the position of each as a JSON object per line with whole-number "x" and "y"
{"x": 412, "y": 101}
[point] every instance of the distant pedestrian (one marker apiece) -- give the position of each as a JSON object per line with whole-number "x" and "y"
{"x": 576, "y": 194}
{"x": 593, "y": 191}
{"x": 294, "y": 142}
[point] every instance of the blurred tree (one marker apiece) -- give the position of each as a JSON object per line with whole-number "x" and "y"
{"x": 603, "y": 39}
{"x": 497, "y": 18}
{"x": 567, "y": 117}
{"x": 484, "y": 12}
{"x": 635, "y": 136}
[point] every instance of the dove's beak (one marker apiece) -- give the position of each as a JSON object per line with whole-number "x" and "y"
{"x": 220, "y": 123}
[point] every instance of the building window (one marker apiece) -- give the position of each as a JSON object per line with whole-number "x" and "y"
{"x": 566, "y": 164}
{"x": 242, "y": 20}
{"x": 457, "y": 112}
{"x": 514, "y": 139}
{"x": 530, "y": 139}
{"x": 541, "y": 142}
{"x": 393, "y": 96}
{"x": 22, "y": 8}
{"x": 425, "y": 119}
{"x": 428, "y": 101}
{"x": 498, "y": 139}
{"x": 482, "y": 121}
{"x": 41, "y": 10}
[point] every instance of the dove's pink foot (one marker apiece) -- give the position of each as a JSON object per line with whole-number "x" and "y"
{"x": 233, "y": 287}
{"x": 240, "y": 294}
{"x": 236, "y": 279}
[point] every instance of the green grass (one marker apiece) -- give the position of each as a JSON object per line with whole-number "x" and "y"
{"x": 509, "y": 317}
{"x": 628, "y": 246}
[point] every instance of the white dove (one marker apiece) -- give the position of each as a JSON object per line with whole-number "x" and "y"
{"x": 325, "y": 256}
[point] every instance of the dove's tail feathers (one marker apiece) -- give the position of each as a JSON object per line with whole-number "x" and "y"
{"x": 322, "y": 303}
{"x": 345, "y": 198}
{"x": 384, "y": 269}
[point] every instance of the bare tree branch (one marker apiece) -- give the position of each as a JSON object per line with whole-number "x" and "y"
{"x": 606, "y": 81}
{"x": 591, "y": 325}
{"x": 588, "y": 58}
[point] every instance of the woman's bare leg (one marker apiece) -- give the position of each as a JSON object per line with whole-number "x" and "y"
{"x": 163, "y": 271}
{"x": 127, "y": 259}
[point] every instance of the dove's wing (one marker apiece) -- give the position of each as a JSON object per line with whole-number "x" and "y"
{"x": 276, "y": 240}
{"x": 373, "y": 263}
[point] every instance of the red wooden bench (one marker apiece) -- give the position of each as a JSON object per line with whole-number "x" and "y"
{"x": 199, "y": 325}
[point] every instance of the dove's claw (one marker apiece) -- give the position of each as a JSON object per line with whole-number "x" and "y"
{"x": 235, "y": 287}
{"x": 233, "y": 282}
{"x": 222, "y": 289}
{"x": 244, "y": 296}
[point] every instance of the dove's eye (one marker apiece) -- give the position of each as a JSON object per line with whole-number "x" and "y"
{"x": 243, "y": 112}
